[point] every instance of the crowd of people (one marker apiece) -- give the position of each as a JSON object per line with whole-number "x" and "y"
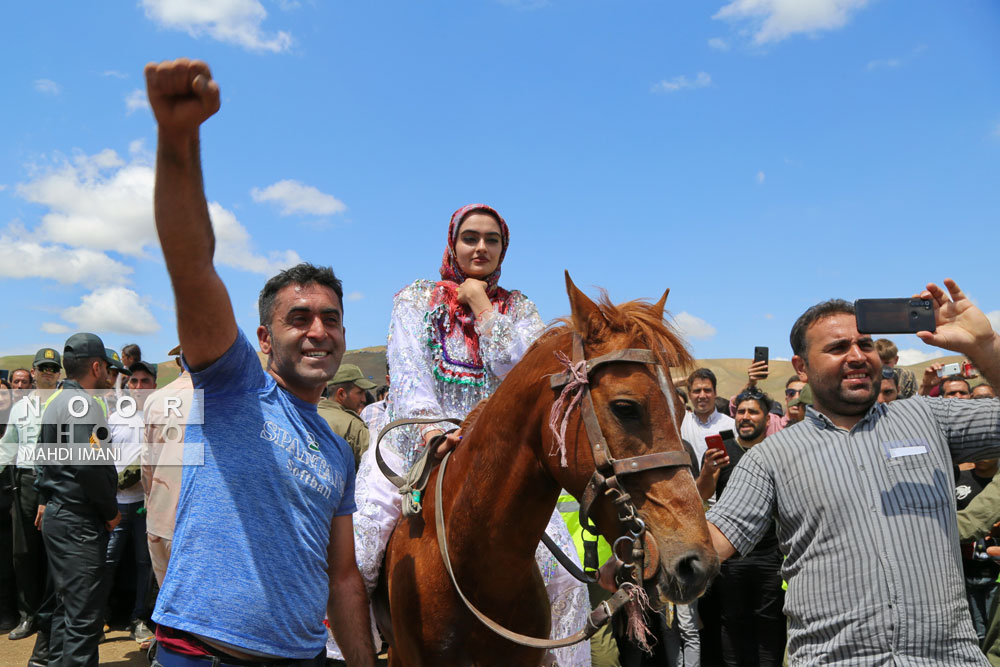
{"x": 244, "y": 504}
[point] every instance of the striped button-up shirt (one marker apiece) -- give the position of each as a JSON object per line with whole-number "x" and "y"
{"x": 866, "y": 518}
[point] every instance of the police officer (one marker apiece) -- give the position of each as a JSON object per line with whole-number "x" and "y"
{"x": 346, "y": 399}
{"x": 77, "y": 508}
{"x": 29, "y": 552}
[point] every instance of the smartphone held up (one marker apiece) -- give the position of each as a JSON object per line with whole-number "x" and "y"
{"x": 889, "y": 316}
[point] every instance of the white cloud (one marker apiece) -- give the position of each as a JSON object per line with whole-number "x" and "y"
{"x": 994, "y": 318}
{"x": 112, "y": 309}
{"x": 135, "y": 101}
{"x": 231, "y": 21}
{"x": 888, "y": 63}
{"x": 55, "y": 328}
{"x": 47, "y": 87}
{"x": 23, "y": 257}
{"x": 718, "y": 44}
{"x": 233, "y": 246}
{"x": 690, "y": 326}
{"x": 701, "y": 80}
{"x": 354, "y": 296}
{"x": 115, "y": 73}
{"x": 102, "y": 203}
{"x": 298, "y": 198}
{"x": 912, "y": 356}
{"x": 775, "y": 20}
{"x": 3, "y": 186}
{"x": 96, "y": 201}
{"x": 760, "y": 177}
{"x": 768, "y": 316}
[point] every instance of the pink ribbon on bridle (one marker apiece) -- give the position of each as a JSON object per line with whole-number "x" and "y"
{"x": 569, "y": 398}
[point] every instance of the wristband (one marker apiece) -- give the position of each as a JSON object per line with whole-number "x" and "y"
{"x": 479, "y": 315}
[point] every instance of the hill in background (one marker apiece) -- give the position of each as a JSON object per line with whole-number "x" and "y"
{"x": 731, "y": 373}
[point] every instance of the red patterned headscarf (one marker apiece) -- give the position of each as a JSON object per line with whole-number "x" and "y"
{"x": 452, "y": 276}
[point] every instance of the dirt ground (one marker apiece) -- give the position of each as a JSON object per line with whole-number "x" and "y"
{"x": 117, "y": 650}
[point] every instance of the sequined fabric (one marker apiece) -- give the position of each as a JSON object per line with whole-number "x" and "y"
{"x": 431, "y": 377}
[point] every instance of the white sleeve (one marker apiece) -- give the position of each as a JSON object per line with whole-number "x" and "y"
{"x": 409, "y": 356}
{"x": 504, "y": 338}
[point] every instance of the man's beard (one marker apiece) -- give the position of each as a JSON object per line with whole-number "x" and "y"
{"x": 753, "y": 435}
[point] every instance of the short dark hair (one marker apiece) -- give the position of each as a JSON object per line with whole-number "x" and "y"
{"x": 300, "y": 274}
{"x": 954, "y": 378}
{"x": 831, "y": 307}
{"x": 722, "y": 405}
{"x": 794, "y": 378}
{"x": 754, "y": 394}
{"x": 76, "y": 367}
{"x": 132, "y": 350}
{"x": 346, "y": 386}
{"x": 702, "y": 374}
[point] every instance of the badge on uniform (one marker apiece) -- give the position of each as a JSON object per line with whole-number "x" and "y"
{"x": 899, "y": 448}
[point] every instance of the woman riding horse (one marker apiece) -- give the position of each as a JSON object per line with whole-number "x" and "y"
{"x": 450, "y": 344}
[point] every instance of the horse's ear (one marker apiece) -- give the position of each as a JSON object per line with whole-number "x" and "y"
{"x": 581, "y": 306}
{"x": 658, "y": 306}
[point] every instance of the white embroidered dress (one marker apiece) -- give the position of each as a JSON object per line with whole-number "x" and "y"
{"x": 434, "y": 375}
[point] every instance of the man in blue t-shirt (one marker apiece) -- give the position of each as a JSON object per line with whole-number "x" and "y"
{"x": 263, "y": 545}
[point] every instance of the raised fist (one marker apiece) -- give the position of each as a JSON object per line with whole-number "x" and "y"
{"x": 181, "y": 93}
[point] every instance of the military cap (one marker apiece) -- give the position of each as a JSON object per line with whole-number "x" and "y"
{"x": 46, "y": 355}
{"x": 85, "y": 346}
{"x": 143, "y": 366}
{"x": 116, "y": 362}
{"x": 351, "y": 373}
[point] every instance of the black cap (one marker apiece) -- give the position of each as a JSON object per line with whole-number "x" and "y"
{"x": 116, "y": 361}
{"x": 143, "y": 366}
{"x": 85, "y": 346}
{"x": 46, "y": 355}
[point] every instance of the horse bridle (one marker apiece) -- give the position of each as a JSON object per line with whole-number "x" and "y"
{"x": 604, "y": 481}
{"x": 608, "y": 470}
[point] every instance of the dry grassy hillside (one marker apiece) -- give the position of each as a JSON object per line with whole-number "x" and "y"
{"x": 732, "y": 373}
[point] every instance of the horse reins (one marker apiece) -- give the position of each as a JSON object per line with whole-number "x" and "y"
{"x": 604, "y": 481}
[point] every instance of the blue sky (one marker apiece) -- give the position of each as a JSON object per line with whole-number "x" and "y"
{"x": 755, "y": 156}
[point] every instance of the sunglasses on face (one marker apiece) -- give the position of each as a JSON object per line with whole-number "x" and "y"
{"x": 48, "y": 369}
{"x": 792, "y": 393}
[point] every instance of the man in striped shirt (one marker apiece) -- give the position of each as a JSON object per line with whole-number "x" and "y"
{"x": 863, "y": 499}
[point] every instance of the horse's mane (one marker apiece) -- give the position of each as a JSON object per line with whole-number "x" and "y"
{"x": 636, "y": 319}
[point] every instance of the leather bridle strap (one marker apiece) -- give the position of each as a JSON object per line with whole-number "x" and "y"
{"x": 397, "y": 480}
{"x": 597, "y": 618}
{"x": 566, "y": 561}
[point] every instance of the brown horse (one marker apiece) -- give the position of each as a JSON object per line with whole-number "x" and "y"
{"x": 501, "y": 486}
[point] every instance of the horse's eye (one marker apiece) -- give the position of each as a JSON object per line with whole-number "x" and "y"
{"x": 626, "y": 409}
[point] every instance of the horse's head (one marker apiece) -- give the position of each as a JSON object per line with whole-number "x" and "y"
{"x": 639, "y": 414}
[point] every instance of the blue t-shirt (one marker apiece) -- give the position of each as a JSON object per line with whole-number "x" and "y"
{"x": 248, "y": 566}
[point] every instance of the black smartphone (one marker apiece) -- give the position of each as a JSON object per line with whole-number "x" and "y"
{"x": 760, "y": 354}
{"x": 4, "y": 374}
{"x": 887, "y": 316}
{"x": 727, "y": 434}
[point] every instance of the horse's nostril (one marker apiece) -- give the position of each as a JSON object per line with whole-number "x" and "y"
{"x": 689, "y": 567}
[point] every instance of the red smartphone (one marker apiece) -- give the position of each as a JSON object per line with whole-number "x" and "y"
{"x": 715, "y": 442}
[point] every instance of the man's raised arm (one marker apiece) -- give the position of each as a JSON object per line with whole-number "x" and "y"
{"x": 962, "y": 327}
{"x": 183, "y": 96}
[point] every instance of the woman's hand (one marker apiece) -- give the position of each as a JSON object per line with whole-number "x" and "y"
{"x": 472, "y": 293}
{"x": 449, "y": 443}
